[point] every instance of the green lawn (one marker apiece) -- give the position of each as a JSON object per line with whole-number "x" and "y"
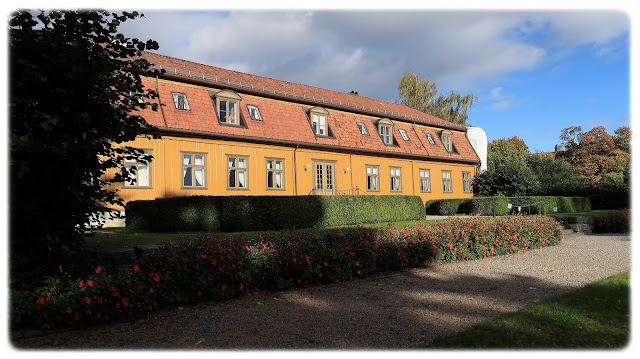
{"x": 596, "y": 316}
{"x": 595, "y": 213}
{"x": 123, "y": 238}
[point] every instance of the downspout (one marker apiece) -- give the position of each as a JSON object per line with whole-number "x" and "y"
{"x": 295, "y": 170}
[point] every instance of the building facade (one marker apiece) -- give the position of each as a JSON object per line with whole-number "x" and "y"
{"x": 230, "y": 133}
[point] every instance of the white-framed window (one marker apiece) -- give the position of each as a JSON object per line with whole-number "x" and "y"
{"x": 193, "y": 170}
{"x": 237, "y": 171}
{"x": 425, "y": 180}
{"x": 254, "y": 112}
{"x": 396, "y": 179}
{"x": 363, "y": 128}
{"x": 446, "y": 181}
{"x": 319, "y": 124}
{"x": 403, "y": 134}
{"x": 139, "y": 173}
{"x": 430, "y": 138}
{"x": 275, "y": 173}
{"x": 373, "y": 178}
{"x": 466, "y": 182}
{"x": 180, "y": 101}
{"x": 228, "y": 111}
{"x": 447, "y": 140}
{"x": 385, "y": 134}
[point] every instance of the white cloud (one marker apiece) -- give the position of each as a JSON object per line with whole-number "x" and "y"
{"x": 368, "y": 51}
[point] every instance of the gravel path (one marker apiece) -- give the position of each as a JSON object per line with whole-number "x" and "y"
{"x": 400, "y": 310}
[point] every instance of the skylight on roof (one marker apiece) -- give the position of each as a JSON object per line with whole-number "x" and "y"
{"x": 254, "y": 112}
{"x": 403, "y": 134}
{"x": 363, "y": 128}
{"x": 430, "y": 138}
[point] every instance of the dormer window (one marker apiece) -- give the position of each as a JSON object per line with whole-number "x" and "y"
{"x": 430, "y": 138}
{"x": 180, "y": 100}
{"x": 403, "y": 134}
{"x": 363, "y": 128}
{"x": 446, "y": 138}
{"x": 318, "y": 116}
{"x": 384, "y": 129}
{"x": 228, "y": 105}
{"x": 254, "y": 112}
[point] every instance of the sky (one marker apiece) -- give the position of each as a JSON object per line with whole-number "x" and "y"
{"x": 534, "y": 72}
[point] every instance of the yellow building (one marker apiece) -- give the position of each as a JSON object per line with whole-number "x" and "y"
{"x": 230, "y": 133}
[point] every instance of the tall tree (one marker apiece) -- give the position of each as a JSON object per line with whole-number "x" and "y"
{"x": 595, "y": 153}
{"x": 422, "y": 95}
{"x": 507, "y": 170}
{"x": 74, "y": 89}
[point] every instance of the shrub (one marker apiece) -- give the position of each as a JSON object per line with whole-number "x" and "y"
{"x": 138, "y": 214}
{"x": 614, "y": 222}
{"x": 246, "y": 213}
{"x": 485, "y": 205}
{"x": 447, "y": 207}
{"x": 214, "y": 269}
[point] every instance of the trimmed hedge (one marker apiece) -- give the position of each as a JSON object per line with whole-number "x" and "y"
{"x": 247, "y": 213}
{"x": 485, "y": 205}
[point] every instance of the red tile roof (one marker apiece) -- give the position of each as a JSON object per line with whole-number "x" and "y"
{"x": 285, "y": 118}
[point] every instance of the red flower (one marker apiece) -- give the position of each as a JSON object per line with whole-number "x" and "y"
{"x": 69, "y": 310}
{"x": 126, "y": 303}
{"x": 224, "y": 287}
{"x": 241, "y": 286}
{"x": 40, "y": 300}
{"x": 78, "y": 316}
{"x": 99, "y": 315}
{"x": 155, "y": 276}
{"x": 199, "y": 293}
{"x": 80, "y": 284}
{"x": 214, "y": 262}
{"x": 99, "y": 269}
{"x": 116, "y": 294}
{"x": 150, "y": 290}
{"x": 320, "y": 274}
{"x": 88, "y": 312}
{"x": 87, "y": 300}
{"x": 136, "y": 268}
{"x": 60, "y": 268}
{"x": 89, "y": 283}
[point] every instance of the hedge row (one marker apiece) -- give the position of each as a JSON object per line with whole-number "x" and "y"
{"x": 485, "y": 205}
{"x": 191, "y": 270}
{"x": 247, "y": 213}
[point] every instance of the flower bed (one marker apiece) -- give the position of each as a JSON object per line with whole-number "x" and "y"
{"x": 211, "y": 269}
{"x": 613, "y": 222}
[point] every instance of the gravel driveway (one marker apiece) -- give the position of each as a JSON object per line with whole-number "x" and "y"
{"x": 399, "y": 310}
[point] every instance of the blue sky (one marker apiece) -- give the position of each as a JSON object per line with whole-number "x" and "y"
{"x": 534, "y": 72}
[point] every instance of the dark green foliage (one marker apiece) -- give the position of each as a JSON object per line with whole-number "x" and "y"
{"x": 447, "y": 207}
{"x": 139, "y": 214}
{"x": 73, "y": 80}
{"x": 555, "y": 177}
{"x": 180, "y": 214}
{"x": 515, "y": 181}
{"x": 486, "y": 206}
{"x": 246, "y": 213}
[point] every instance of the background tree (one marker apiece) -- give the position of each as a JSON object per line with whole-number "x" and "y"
{"x": 603, "y": 160}
{"x": 553, "y": 177}
{"x": 422, "y": 95}
{"x": 507, "y": 170}
{"x": 74, "y": 88}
